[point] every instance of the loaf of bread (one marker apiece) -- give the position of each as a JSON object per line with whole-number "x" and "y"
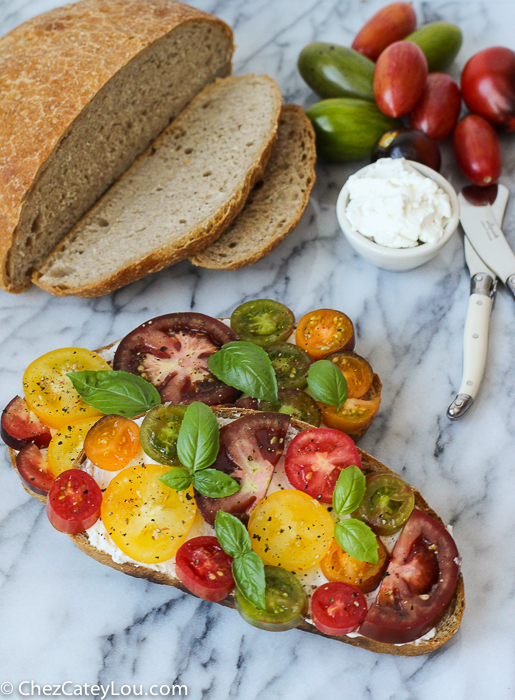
{"x": 85, "y": 89}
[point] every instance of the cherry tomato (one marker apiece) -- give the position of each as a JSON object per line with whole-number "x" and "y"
{"x": 323, "y": 332}
{"x": 387, "y": 504}
{"x": 49, "y": 392}
{"x": 405, "y": 143}
{"x": 354, "y": 416}
{"x": 477, "y": 150}
{"x": 391, "y": 23}
{"x": 112, "y": 443}
{"x": 160, "y": 432}
{"x": 358, "y": 373}
{"x": 421, "y": 579}
{"x": 172, "y": 353}
{"x": 290, "y": 364}
{"x": 67, "y": 444}
{"x": 73, "y": 503}
{"x": 285, "y": 599}
{"x": 205, "y": 569}
{"x": 32, "y": 466}
{"x": 337, "y": 565}
{"x": 295, "y": 403}
{"x": 290, "y": 529}
{"x": 250, "y": 447}
{"x": 315, "y": 458}
{"x": 263, "y": 321}
{"x": 338, "y": 608}
{"x": 146, "y": 519}
{"x": 21, "y": 426}
{"x": 399, "y": 78}
{"x": 437, "y": 111}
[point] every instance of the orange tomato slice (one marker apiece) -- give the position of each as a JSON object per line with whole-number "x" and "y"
{"x": 323, "y": 332}
{"x": 112, "y": 443}
{"x": 354, "y": 416}
{"x": 357, "y": 371}
{"x": 337, "y": 565}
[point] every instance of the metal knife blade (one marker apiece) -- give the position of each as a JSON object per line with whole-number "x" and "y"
{"x": 474, "y": 263}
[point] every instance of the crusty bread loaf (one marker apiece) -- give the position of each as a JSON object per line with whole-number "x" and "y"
{"x": 85, "y": 89}
{"x": 445, "y": 629}
{"x": 276, "y": 203}
{"x": 177, "y": 197}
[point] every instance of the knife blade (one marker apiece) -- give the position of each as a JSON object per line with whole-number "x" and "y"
{"x": 483, "y": 285}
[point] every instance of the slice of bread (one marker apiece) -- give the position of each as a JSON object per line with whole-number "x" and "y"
{"x": 276, "y": 203}
{"x": 86, "y": 88}
{"x": 176, "y": 198}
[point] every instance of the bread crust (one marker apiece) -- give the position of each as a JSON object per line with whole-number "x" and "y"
{"x": 445, "y": 629}
{"x": 41, "y": 96}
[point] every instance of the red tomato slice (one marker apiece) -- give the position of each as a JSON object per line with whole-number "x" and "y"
{"x": 315, "y": 458}
{"x": 205, "y": 569}
{"x": 419, "y": 583}
{"x": 74, "y": 501}
{"x": 338, "y": 608}
{"x": 20, "y": 426}
{"x": 33, "y": 468}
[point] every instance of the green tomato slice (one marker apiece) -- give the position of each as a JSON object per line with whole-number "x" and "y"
{"x": 159, "y": 433}
{"x": 290, "y": 364}
{"x": 296, "y": 404}
{"x": 263, "y": 322}
{"x": 286, "y": 602}
{"x": 387, "y": 504}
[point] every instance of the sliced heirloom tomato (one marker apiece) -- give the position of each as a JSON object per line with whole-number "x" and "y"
{"x": 250, "y": 447}
{"x": 338, "y": 608}
{"x": 32, "y": 466}
{"x": 315, "y": 458}
{"x": 21, "y": 426}
{"x": 420, "y": 581}
{"x": 49, "y": 391}
{"x": 295, "y": 403}
{"x": 172, "y": 352}
{"x": 160, "y": 432}
{"x": 357, "y": 371}
{"x": 337, "y": 565}
{"x": 263, "y": 321}
{"x": 74, "y": 501}
{"x": 325, "y": 331}
{"x": 290, "y": 364}
{"x": 387, "y": 504}
{"x": 67, "y": 444}
{"x": 112, "y": 443}
{"x": 354, "y": 417}
{"x": 285, "y": 599}
{"x": 205, "y": 569}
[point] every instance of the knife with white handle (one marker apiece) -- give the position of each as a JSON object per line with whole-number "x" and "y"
{"x": 483, "y": 286}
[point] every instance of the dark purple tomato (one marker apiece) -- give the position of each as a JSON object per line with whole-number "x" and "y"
{"x": 20, "y": 426}
{"x": 405, "y": 143}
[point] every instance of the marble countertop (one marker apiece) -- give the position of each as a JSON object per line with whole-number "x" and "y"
{"x": 64, "y": 617}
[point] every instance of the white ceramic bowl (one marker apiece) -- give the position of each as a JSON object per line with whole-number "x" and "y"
{"x": 400, "y": 259}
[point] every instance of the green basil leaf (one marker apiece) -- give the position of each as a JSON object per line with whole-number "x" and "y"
{"x": 357, "y": 539}
{"x": 232, "y": 534}
{"x": 214, "y": 483}
{"x": 178, "y": 479}
{"x": 327, "y": 383}
{"x": 349, "y": 490}
{"x": 246, "y": 367}
{"x": 199, "y": 437}
{"x": 121, "y": 393}
{"x": 249, "y": 575}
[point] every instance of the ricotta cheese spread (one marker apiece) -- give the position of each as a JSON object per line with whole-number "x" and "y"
{"x": 396, "y": 206}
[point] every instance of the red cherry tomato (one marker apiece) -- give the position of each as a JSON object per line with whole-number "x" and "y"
{"x": 32, "y": 466}
{"x": 399, "y": 78}
{"x": 477, "y": 150}
{"x": 437, "y": 111}
{"x": 315, "y": 458}
{"x": 391, "y": 23}
{"x": 20, "y": 426}
{"x": 420, "y": 581}
{"x": 74, "y": 501}
{"x": 205, "y": 569}
{"x": 488, "y": 86}
{"x": 338, "y": 608}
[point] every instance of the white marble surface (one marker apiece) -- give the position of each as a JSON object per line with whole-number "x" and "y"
{"x": 65, "y": 617}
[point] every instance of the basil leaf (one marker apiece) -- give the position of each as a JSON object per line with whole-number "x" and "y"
{"x": 199, "y": 437}
{"x": 110, "y": 391}
{"x": 246, "y": 367}
{"x": 178, "y": 479}
{"x": 357, "y": 539}
{"x": 249, "y": 575}
{"x": 214, "y": 484}
{"x": 349, "y": 490}
{"x": 232, "y": 534}
{"x": 327, "y": 383}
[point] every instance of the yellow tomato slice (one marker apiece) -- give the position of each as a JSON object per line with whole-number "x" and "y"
{"x": 50, "y": 393}
{"x": 67, "y": 443}
{"x": 290, "y": 529}
{"x": 146, "y": 519}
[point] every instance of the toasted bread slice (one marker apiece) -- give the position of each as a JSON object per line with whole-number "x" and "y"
{"x": 275, "y": 205}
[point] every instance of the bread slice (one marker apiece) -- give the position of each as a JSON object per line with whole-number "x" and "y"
{"x": 276, "y": 203}
{"x": 445, "y": 629}
{"x": 176, "y": 198}
{"x": 85, "y": 89}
